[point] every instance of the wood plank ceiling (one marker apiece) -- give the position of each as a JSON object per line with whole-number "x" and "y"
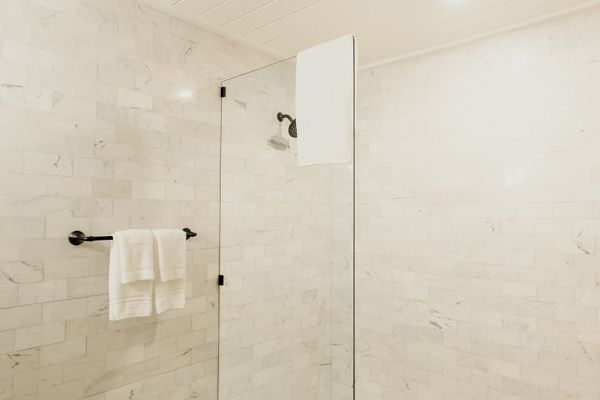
{"x": 385, "y": 29}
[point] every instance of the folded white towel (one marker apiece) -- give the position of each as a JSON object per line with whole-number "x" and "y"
{"x": 170, "y": 253}
{"x": 132, "y": 299}
{"x": 169, "y": 295}
{"x": 170, "y": 245}
{"x": 325, "y": 102}
{"x": 136, "y": 254}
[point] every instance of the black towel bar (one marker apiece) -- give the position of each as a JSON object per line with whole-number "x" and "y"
{"x": 78, "y": 237}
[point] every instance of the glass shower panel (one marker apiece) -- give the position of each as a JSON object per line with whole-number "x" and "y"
{"x": 286, "y": 306}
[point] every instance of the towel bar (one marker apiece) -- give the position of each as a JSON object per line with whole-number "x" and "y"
{"x": 78, "y": 237}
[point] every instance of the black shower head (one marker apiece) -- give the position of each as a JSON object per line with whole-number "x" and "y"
{"x": 292, "y": 128}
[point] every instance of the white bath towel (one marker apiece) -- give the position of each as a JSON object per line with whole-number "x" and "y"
{"x": 133, "y": 298}
{"x": 136, "y": 254}
{"x": 325, "y": 102}
{"x": 170, "y": 254}
{"x": 170, "y": 246}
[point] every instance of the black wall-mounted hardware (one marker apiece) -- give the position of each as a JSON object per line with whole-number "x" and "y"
{"x": 223, "y": 91}
{"x": 221, "y": 280}
{"x": 77, "y": 237}
{"x": 292, "y": 128}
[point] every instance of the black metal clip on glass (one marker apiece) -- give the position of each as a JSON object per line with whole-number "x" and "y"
{"x": 78, "y": 237}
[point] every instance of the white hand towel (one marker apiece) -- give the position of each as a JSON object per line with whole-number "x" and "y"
{"x": 170, "y": 287}
{"x": 132, "y": 299}
{"x": 170, "y": 244}
{"x": 136, "y": 254}
{"x": 325, "y": 102}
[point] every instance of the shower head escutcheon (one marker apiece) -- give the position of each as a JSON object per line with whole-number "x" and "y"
{"x": 292, "y": 128}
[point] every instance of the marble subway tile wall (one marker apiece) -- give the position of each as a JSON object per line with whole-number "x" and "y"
{"x": 109, "y": 119}
{"x": 478, "y": 221}
{"x": 342, "y": 281}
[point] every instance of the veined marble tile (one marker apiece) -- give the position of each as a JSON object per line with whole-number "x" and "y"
{"x": 476, "y": 219}
{"x": 88, "y": 105}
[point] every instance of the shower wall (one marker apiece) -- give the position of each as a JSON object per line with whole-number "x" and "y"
{"x": 109, "y": 119}
{"x": 478, "y": 220}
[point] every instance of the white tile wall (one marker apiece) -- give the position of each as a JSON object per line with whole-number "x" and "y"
{"x": 477, "y": 220}
{"x": 109, "y": 119}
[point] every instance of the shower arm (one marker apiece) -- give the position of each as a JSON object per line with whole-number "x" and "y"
{"x": 281, "y": 116}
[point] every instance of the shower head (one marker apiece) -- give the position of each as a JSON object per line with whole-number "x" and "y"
{"x": 292, "y": 128}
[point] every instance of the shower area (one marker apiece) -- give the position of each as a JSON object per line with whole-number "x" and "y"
{"x": 286, "y": 302}
{"x": 468, "y": 234}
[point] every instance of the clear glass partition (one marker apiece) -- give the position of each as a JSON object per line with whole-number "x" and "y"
{"x": 287, "y": 238}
